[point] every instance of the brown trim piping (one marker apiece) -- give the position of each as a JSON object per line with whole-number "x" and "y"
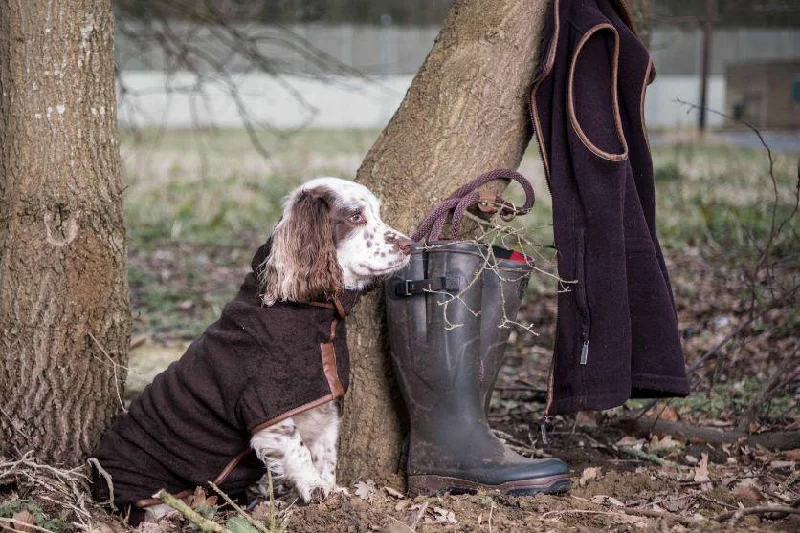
{"x": 329, "y": 367}
{"x": 334, "y": 322}
{"x": 296, "y": 410}
{"x": 230, "y": 466}
{"x": 339, "y": 307}
{"x": 336, "y": 305}
{"x": 222, "y": 476}
{"x": 323, "y": 305}
{"x": 573, "y": 119}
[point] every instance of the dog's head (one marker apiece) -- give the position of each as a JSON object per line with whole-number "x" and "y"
{"x": 330, "y": 237}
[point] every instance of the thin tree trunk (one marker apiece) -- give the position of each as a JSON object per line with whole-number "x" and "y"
{"x": 64, "y": 317}
{"x": 465, "y": 113}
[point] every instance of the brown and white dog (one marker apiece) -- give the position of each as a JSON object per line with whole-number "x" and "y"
{"x": 353, "y": 248}
{"x": 204, "y": 416}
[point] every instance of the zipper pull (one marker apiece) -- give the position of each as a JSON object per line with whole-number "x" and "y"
{"x": 546, "y": 446}
{"x": 585, "y": 352}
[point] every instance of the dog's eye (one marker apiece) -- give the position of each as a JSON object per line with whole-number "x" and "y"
{"x": 358, "y": 218}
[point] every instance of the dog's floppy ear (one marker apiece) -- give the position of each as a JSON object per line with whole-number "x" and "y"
{"x": 302, "y": 264}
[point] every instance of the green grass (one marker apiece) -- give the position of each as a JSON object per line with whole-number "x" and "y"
{"x": 726, "y": 400}
{"x": 211, "y": 188}
{"x": 722, "y": 196}
{"x": 208, "y": 187}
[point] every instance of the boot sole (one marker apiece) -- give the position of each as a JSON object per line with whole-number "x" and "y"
{"x": 430, "y": 485}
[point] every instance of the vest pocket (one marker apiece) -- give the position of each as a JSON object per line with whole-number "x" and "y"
{"x": 595, "y": 63}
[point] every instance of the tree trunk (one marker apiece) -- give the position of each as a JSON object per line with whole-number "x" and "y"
{"x": 642, "y": 16}
{"x": 64, "y": 317}
{"x": 465, "y": 113}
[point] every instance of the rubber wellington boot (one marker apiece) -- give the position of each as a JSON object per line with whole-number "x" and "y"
{"x": 504, "y": 286}
{"x": 435, "y": 311}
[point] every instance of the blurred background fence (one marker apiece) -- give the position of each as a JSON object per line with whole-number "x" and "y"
{"x": 349, "y": 63}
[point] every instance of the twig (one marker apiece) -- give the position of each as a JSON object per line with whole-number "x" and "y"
{"x": 106, "y": 476}
{"x": 769, "y": 306}
{"x": 205, "y": 525}
{"x": 420, "y": 513}
{"x": 13, "y": 424}
{"x": 114, "y": 365}
{"x": 639, "y": 454}
{"x": 780, "y": 377}
{"x": 785, "y": 440}
{"x": 652, "y": 513}
{"x": 739, "y": 513}
{"x": 244, "y": 514}
{"x": 21, "y": 524}
{"x": 580, "y": 511}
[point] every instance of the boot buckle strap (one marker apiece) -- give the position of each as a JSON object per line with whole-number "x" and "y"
{"x": 410, "y": 287}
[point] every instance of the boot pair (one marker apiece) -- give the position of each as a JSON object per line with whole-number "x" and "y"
{"x": 449, "y": 314}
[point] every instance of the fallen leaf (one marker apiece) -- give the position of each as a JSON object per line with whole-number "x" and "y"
{"x": 199, "y": 499}
{"x": 747, "y": 490}
{"x": 701, "y": 470}
{"x": 261, "y": 511}
{"x": 664, "y": 444}
{"x": 366, "y": 490}
{"x": 444, "y": 516}
{"x": 633, "y": 442}
{"x": 184, "y": 305}
{"x": 393, "y": 493}
{"x": 669, "y": 413}
{"x": 589, "y": 473}
{"x": 777, "y": 464}
{"x": 23, "y": 517}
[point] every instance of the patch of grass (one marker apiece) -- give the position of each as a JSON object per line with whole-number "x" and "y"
{"x": 721, "y": 195}
{"x": 730, "y": 398}
{"x": 14, "y": 509}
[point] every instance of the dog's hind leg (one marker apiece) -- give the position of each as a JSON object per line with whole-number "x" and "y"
{"x": 282, "y": 450}
{"x": 319, "y": 428}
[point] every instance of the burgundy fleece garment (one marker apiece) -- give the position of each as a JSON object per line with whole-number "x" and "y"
{"x": 255, "y": 364}
{"x": 617, "y": 331}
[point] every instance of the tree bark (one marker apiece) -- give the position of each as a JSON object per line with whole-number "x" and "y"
{"x": 64, "y": 317}
{"x": 466, "y": 112}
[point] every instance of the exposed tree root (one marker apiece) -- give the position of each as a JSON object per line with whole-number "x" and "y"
{"x": 783, "y": 440}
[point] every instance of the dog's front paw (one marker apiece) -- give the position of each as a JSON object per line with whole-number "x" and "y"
{"x": 313, "y": 490}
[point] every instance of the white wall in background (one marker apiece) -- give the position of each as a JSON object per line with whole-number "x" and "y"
{"x": 153, "y": 99}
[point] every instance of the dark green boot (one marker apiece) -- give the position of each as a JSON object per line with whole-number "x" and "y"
{"x": 504, "y": 286}
{"x": 442, "y": 312}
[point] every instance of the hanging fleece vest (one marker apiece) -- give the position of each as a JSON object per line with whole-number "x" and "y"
{"x": 250, "y": 369}
{"x": 617, "y": 331}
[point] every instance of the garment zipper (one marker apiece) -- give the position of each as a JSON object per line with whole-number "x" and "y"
{"x": 580, "y": 296}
